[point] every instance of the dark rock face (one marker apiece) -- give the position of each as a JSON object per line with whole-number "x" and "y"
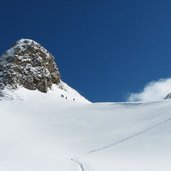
{"x": 168, "y": 96}
{"x": 30, "y": 65}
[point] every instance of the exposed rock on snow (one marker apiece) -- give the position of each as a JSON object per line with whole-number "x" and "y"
{"x": 30, "y": 65}
{"x": 168, "y": 96}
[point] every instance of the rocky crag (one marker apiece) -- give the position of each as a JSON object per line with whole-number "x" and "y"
{"x": 29, "y": 65}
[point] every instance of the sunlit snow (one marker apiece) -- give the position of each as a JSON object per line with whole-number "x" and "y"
{"x": 47, "y": 132}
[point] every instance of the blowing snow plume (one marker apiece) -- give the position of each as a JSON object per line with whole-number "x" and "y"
{"x": 155, "y": 90}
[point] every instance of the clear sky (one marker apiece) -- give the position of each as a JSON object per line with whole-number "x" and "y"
{"x": 105, "y": 49}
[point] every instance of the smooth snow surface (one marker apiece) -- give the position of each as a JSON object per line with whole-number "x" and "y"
{"x": 48, "y": 133}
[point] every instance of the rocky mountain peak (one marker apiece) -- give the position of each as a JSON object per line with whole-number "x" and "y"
{"x": 29, "y": 65}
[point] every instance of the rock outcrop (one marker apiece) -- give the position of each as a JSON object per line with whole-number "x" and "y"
{"x": 168, "y": 96}
{"x": 30, "y": 65}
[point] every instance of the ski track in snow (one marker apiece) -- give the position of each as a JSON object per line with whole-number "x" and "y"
{"x": 81, "y": 167}
{"x": 129, "y": 137}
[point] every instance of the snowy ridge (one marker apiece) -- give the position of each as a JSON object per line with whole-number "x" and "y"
{"x": 56, "y": 93}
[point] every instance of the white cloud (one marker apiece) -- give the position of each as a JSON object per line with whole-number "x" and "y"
{"x": 155, "y": 90}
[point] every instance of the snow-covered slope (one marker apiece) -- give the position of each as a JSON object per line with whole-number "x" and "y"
{"x": 44, "y": 134}
{"x": 66, "y": 93}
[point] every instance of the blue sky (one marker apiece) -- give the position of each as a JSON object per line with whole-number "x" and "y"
{"x": 105, "y": 49}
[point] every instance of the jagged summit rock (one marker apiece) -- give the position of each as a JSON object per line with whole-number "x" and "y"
{"x": 29, "y": 65}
